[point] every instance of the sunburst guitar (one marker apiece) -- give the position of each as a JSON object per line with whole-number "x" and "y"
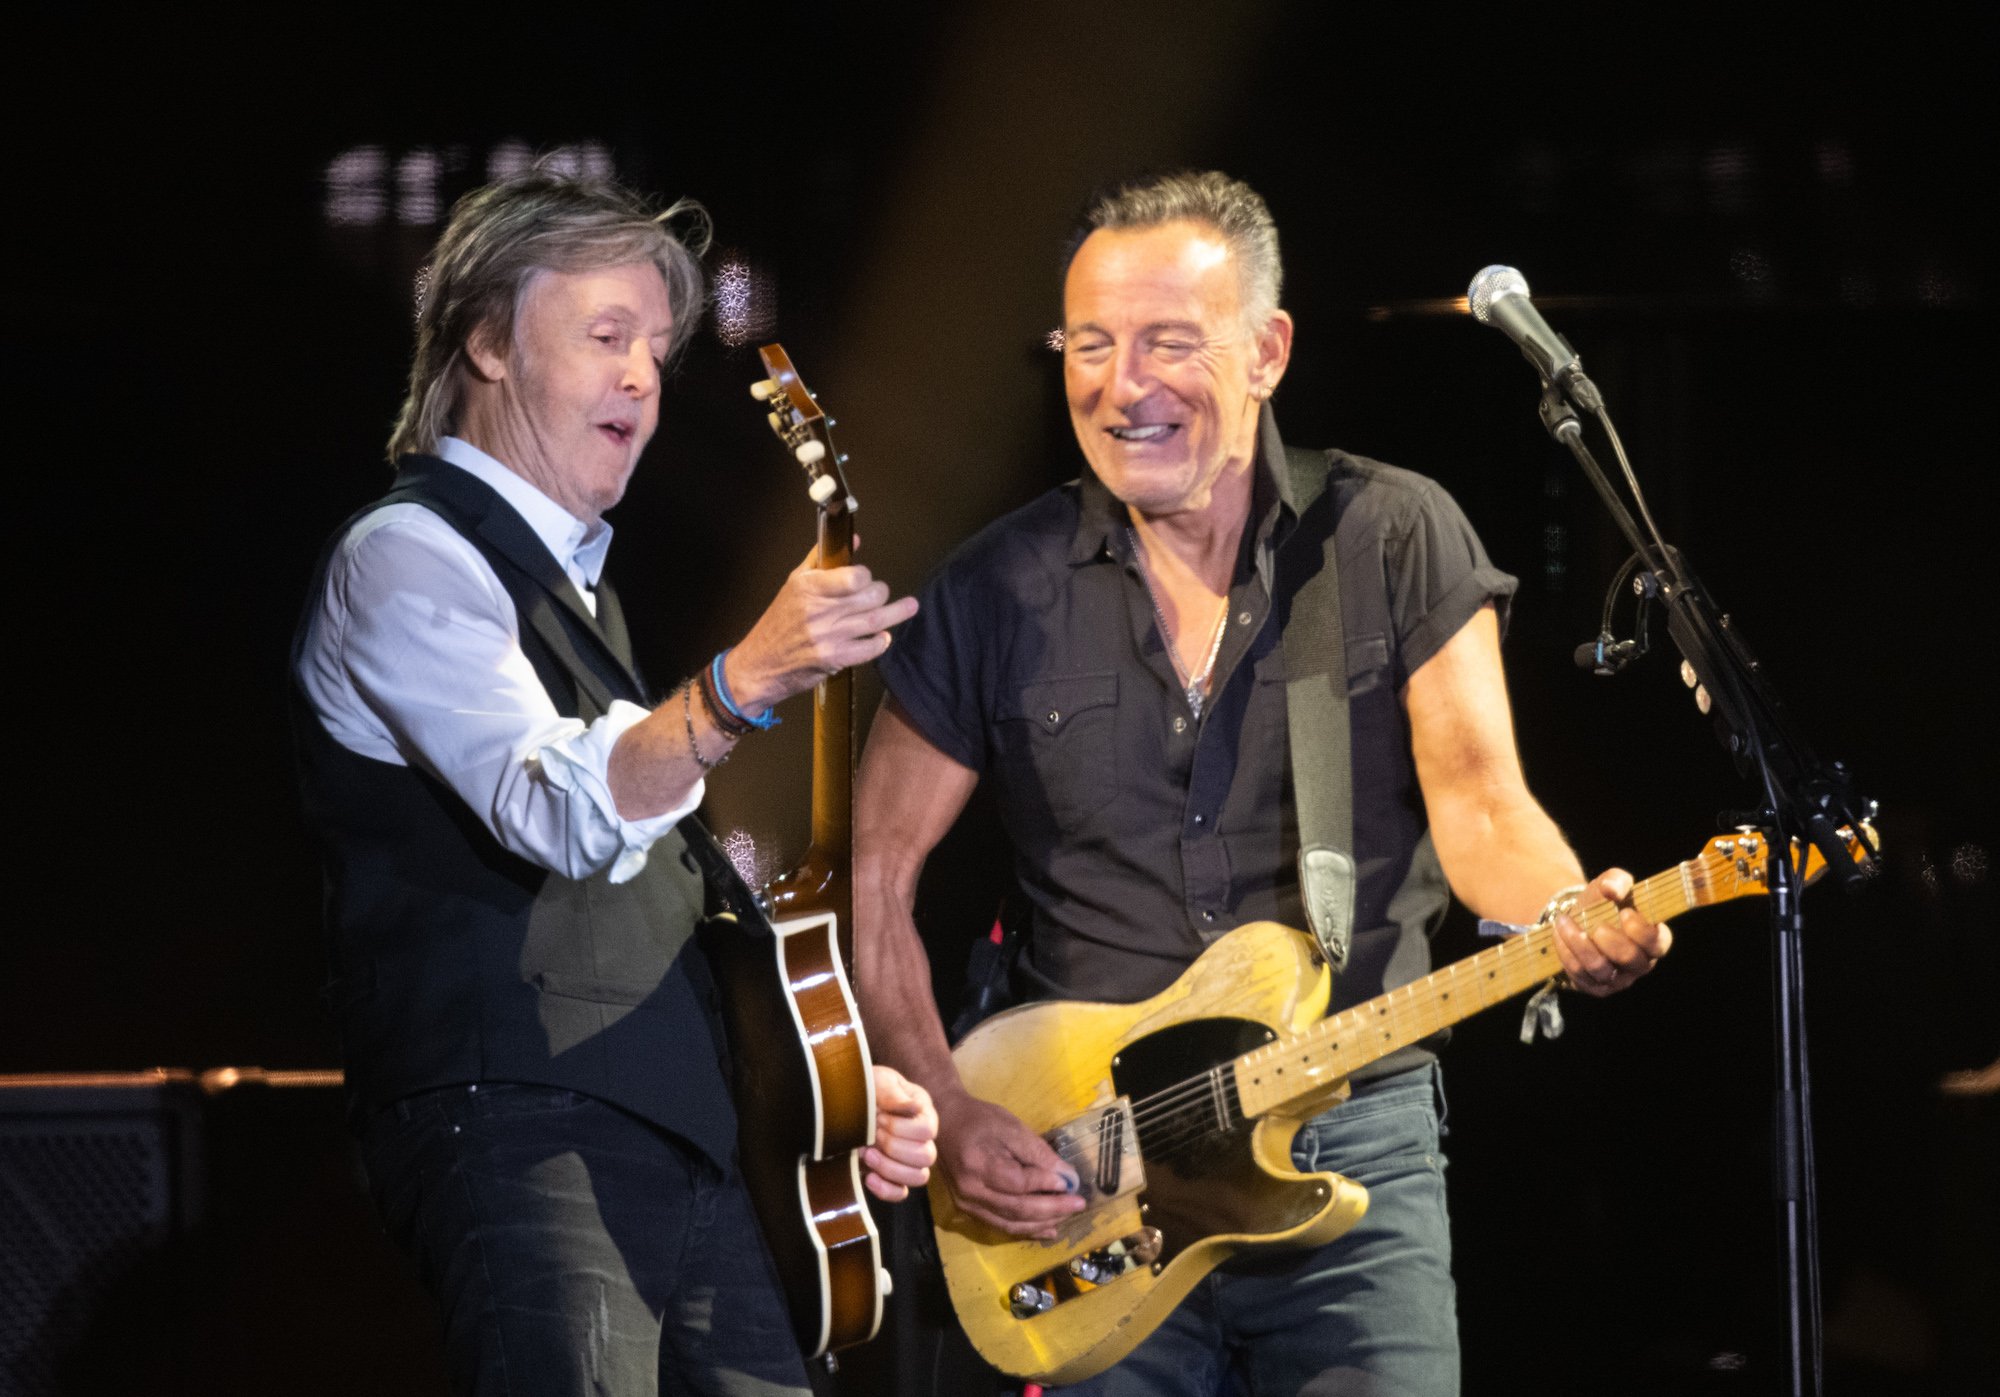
{"x": 1178, "y": 1115}
{"x": 801, "y": 1074}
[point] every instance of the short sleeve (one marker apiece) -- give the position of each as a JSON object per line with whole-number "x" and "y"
{"x": 934, "y": 665}
{"x": 1439, "y": 577}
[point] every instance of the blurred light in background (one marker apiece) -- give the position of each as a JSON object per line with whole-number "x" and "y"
{"x": 1055, "y": 340}
{"x": 355, "y": 187}
{"x": 1834, "y": 163}
{"x": 417, "y": 186}
{"x": 1730, "y": 172}
{"x": 1752, "y": 271}
{"x": 746, "y": 301}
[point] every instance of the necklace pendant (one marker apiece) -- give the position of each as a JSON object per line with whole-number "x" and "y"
{"x": 1194, "y": 701}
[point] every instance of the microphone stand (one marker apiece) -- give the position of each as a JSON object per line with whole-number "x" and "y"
{"x": 1801, "y": 800}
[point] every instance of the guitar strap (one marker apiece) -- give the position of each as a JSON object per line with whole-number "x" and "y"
{"x": 1315, "y": 650}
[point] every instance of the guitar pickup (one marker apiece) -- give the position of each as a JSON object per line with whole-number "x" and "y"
{"x": 1102, "y": 1145}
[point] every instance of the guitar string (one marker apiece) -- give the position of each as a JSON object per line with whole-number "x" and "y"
{"x": 1192, "y": 1100}
{"x": 1199, "y": 1092}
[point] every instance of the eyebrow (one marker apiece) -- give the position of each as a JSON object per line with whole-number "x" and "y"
{"x": 1151, "y": 327}
{"x": 625, "y": 316}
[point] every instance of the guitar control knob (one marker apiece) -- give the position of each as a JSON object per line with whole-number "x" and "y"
{"x": 822, "y": 489}
{"x": 810, "y": 453}
{"x": 1027, "y": 1301}
{"x": 763, "y": 388}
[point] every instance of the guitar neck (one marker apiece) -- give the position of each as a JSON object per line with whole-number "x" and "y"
{"x": 833, "y": 721}
{"x": 1293, "y": 1070}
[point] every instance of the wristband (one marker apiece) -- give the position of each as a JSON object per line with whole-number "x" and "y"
{"x": 764, "y": 723}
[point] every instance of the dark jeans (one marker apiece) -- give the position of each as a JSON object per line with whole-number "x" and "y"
{"x": 576, "y": 1249}
{"x": 1372, "y": 1313}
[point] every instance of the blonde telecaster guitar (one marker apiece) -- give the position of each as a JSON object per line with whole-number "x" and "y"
{"x": 1178, "y": 1114}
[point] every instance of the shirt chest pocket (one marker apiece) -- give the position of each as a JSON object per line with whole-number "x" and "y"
{"x": 1058, "y": 741}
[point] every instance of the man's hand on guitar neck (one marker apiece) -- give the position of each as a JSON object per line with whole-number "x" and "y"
{"x": 1614, "y": 952}
{"x": 905, "y": 1148}
{"x": 1001, "y": 1172}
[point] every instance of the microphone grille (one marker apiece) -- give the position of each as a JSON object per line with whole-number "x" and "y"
{"x": 1490, "y": 285}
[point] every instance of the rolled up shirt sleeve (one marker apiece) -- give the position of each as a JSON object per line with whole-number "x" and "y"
{"x": 415, "y": 659}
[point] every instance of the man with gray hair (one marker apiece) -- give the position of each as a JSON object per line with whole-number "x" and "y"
{"x": 505, "y": 809}
{"x": 1119, "y": 659}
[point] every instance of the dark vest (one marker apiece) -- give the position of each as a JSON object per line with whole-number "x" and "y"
{"x": 454, "y": 961}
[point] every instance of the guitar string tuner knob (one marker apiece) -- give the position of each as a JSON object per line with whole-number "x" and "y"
{"x": 1688, "y": 676}
{"x": 1701, "y": 699}
{"x": 777, "y": 423}
{"x": 763, "y": 388}
{"x": 810, "y": 453}
{"x": 821, "y": 489}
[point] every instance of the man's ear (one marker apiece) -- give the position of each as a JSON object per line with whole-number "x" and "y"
{"x": 1273, "y": 353}
{"x": 484, "y": 352}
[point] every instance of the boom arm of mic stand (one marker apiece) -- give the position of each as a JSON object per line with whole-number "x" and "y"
{"x": 1750, "y": 721}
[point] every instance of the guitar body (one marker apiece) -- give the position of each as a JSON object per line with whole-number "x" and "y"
{"x": 805, "y": 1107}
{"x": 1057, "y": 1062}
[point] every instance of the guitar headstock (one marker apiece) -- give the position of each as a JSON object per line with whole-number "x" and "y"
{"x": 805, "y": 430}
{"x": 1738, "y": 865}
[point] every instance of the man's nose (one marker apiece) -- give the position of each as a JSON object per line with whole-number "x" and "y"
{"x": 1131, "y": 374}
{"x": 642, "y": 374}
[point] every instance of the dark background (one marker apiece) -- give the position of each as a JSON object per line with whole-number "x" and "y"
{"x": 1770, "y": 238}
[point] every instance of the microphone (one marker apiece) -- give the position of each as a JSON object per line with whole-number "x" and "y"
{"x": 1604, "y": 656}
{"x": 1499, "y": 297}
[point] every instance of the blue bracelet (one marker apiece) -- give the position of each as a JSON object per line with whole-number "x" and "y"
{"x": 764, "y": 724}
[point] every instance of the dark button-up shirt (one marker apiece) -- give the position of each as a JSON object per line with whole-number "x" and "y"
{"x": 1140, "y": 831}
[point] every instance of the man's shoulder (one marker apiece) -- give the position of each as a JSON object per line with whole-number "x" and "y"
{"x": 1388, "y": 499}
{"x": 1022, "y": 544}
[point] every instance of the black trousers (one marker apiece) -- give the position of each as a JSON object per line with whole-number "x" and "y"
{"x": 575, "y": 1249}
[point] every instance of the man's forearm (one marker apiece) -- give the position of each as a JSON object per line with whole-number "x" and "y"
{"x": 893, "y": 978}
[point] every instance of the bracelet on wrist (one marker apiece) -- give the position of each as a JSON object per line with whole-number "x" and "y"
{"x": 687, "y": 717}
{"x": 763, "y": 722}
{"x": 734, "y": 727}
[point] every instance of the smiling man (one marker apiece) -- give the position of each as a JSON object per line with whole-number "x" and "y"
{"x": 1114, "y": 658}
{"x": 505, "y": 812}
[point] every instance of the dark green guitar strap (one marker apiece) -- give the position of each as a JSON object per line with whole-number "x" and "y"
{"x": 1315, "y": 650}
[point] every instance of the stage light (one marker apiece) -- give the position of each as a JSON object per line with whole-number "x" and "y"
{"x": 417, "y": 187}
{"x": 746, "y": 302}
{"x": 355, "y": 187}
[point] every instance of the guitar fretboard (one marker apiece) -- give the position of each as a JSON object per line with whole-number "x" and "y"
{"x": 1272, "y": 1076}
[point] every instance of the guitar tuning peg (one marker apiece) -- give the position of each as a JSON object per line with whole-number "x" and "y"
{"x": 763, "y": 388}
{"x": 810, "y": 453}
{"x": 821, "y": 489}
{"x": 1688, "y": 676}
{"x": 777, "y": 424}
{"x": 832, "y": 422}
{"x": 1701, "y": 700}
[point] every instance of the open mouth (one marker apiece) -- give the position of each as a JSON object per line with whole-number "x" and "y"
{"x": 1156, "y": 431}
{"x": 620, "y": 432}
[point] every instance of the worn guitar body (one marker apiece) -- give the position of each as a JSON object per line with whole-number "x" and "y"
{"x": 1057, "y": 1062}
{"x": 1178, "y": 1114}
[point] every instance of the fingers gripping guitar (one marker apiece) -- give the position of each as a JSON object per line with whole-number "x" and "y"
{"x": 822, "y": 621}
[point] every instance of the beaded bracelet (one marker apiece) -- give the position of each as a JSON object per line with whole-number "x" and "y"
{"x": 687, "y": 717}
{"x": 765, "y": 723}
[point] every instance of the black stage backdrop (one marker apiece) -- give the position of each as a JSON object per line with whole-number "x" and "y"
{"x": 1770, "y": 238}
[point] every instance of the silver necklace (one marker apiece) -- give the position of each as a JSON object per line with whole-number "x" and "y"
{"x": 1193, "y": 686}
